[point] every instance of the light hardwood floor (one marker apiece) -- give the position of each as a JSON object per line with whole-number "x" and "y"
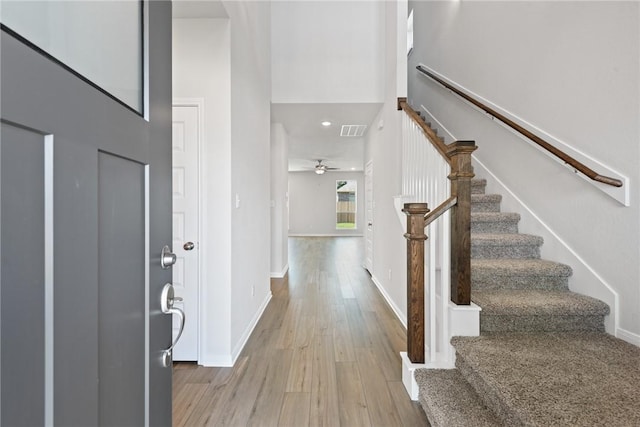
{"x": 325, "y": 353}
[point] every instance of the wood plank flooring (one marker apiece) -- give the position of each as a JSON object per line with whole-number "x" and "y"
{"x": 325, "y": 353}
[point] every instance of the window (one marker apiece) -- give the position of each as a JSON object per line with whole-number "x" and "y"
{"x": 101, "y": 41}
{"x": 346, "y": 204}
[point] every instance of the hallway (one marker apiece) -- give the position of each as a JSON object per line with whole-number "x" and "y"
{"x": 326, "y": 352}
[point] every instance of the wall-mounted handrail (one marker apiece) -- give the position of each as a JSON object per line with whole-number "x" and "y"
{"x": 577, "y": 165}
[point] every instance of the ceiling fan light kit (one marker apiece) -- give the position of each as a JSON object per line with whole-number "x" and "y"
{"x": 320, "y": 168}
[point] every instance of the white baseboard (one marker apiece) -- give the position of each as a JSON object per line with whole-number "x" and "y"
{"x": 325, "y": 235}
{"x": 280, "y": 275}
{"x": 401, "y": 317}
{"x": 216, "y": 361}
{"x": 628, "y": 336}
{"x": 247, "y": 332}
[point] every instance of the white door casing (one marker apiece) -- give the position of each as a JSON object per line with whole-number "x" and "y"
{"x": 368, "y": 200}
{"x": 186, "y": 137}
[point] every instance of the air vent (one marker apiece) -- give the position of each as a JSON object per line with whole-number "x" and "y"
{"x": 353, "y": 130}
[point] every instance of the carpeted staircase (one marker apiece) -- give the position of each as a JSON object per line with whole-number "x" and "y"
{"x": 542, "y": 357}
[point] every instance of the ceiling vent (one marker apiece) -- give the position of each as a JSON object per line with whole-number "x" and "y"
{"x": 353, "y": 130}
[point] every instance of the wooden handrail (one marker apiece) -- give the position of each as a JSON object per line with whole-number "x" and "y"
{"x": 577, "y": 165}
{"x": 458, "y": 156}
{"x": 437, "y": 141}
{"x": 442, "y": 208}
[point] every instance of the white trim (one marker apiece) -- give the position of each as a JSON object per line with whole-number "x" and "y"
{"x": 281, "y": 274}
{"x": 247, "y": 332}
{"x": 401, "y": 317}
{"x": 216, "y": 360}
{"x": 612, "y": 295}
{"x": 200, "y": 106}
{"x": 621, "y": 194}
{"x": 408, "y": 378}
{"x": 49, "y": 300}
{"x": 147, "y": 296}
{"x": 628, "y": 336}
{"x": 228, "y": 360}
{"x": 323, "y": 235}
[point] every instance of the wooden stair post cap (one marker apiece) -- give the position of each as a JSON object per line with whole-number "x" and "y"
{"x": 415, "y": 208}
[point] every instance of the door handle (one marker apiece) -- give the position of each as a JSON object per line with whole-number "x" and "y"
{"x": 167, "y": 299}
{"x": 188, "y": 246}
{"x": 167, "y": 258}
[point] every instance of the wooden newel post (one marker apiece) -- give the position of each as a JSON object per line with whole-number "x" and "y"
{"x": 415, "y": 279}
{"x": 461, "y": 174}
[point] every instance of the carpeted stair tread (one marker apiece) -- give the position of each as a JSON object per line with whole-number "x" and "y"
{"x": 450, "y": 401}
{"x": 538, "y": 310}
{"x": 504, "y": 273}
{"x": 554, "y": 379}
{"x": 500, "y": 245}
{"x": 537, "y": 302}
{"x": 494, "y": 222}
{"x": 485, "y": 202}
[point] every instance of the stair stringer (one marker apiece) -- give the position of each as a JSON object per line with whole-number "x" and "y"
{"x": 585, "y": 280}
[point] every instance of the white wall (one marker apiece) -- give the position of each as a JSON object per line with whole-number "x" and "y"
{"x": 226, "y": 62}
{"x": 384, "y": 149}
{"x": 327, "y": 51}
{"x": 572, "y": 70}
{"x": 279, "y": 201}
{"x": 250, "y": 168}
{"x": 312, "y": 203}
{"x": 201, "y": 69}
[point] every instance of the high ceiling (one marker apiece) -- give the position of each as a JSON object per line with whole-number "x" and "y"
{"x": 310, "y": 141}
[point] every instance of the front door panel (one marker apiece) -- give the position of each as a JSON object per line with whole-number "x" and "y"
{"x": 121, "y": 284}
{"x": 85, "y": 208}
{"x": 22, "y": 276}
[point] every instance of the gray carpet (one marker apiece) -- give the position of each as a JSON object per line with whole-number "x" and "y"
{"x": 542, "y": 358}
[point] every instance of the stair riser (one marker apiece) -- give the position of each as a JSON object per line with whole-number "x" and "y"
{"x": 494, "y": 227}
{"x": 541, "y": 323}
{"x": 547, "y": 283}
{"x": 501, "y": 251}
{"x": 489, "y": 396}
{"x": 485, "y": 206}
{"x": 477, "y": 188}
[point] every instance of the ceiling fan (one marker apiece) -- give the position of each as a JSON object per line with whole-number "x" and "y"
{"x": 320, "y": 168}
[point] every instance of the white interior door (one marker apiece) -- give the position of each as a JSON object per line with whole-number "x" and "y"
{"x": 186, "y": 134}
{"x": 368, "y": 200}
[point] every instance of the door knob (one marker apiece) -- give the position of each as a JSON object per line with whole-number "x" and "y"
{"x": 167, "y": 299}
{"x": 167, "y": 258}
{"x": 188, "y": 246}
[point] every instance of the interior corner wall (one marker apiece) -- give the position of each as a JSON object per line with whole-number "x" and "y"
{"x": 201, "y": 69}
{"x": 383, "y": 148}
{"x": 279, "y": 201}
{"x": 327, "y": 51}
{"x": 572, "y": 70}
{"x": 250, "y": 169}
{"x": 312, "y": 203}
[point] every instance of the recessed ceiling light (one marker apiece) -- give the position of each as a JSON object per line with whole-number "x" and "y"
{"x": 326, "y": 123}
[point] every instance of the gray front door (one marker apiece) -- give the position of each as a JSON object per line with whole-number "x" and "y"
{"x": 85, "y": 209}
